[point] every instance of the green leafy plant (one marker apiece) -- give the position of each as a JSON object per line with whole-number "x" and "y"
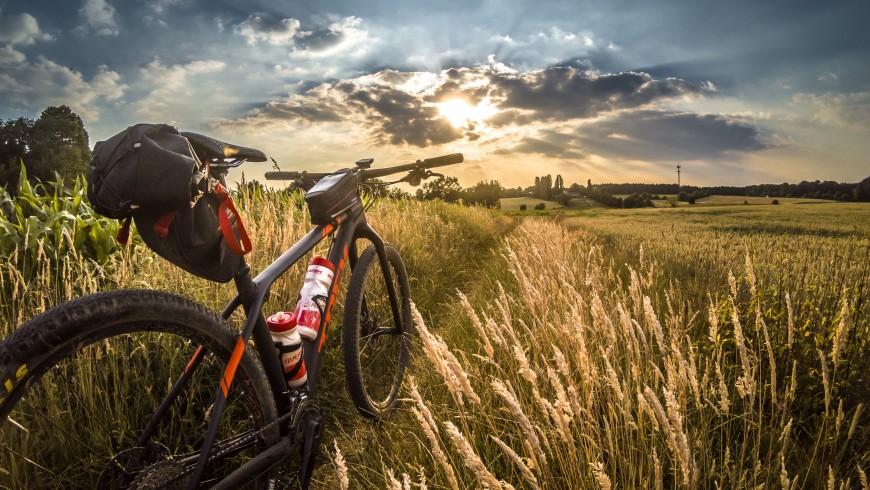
{"x": 48, "y": 221}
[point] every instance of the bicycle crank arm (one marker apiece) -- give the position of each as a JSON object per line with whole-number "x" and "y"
{"x": 310, "y": 448}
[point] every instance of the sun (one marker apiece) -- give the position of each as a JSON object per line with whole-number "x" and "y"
{"x": 462, "y": 114}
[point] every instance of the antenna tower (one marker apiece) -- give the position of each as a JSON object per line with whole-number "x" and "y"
{"x": 678, "y": 175}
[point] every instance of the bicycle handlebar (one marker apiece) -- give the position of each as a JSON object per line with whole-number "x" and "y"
{"x": 373, "y": 173}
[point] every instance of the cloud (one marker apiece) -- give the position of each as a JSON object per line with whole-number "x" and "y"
{"x": 547, "y": 46}
{"x": 570, "y": 92}
{"x": 21, "y": 29}
{"x": 343, "y": 36}
{"x": 841, "y": 110}
{"x": 100, "y": 17}
{"x": 401, "y": 108}
{"x": 263, "y": 28}
{"x": 9, "y": 56}
{"x": 171, "y": 85}
{"x": 651, "y": 135}
{"x": 30, "y": 86}
{"x": 394, "y": 116}
{"x": 159, "y": 6}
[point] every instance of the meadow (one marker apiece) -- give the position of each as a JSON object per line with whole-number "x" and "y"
{"x": 655, "y": 348}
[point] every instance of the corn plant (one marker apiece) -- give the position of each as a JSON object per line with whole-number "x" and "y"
{"x": 49, "y": 220}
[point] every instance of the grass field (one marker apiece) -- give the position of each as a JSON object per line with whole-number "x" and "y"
{"x": 746, "y": 200}
{"x": 692, "y": 347}
{"x": 583, "y": 203}
{"x": 665, "y": 202}
{"x": 514, "y": 203}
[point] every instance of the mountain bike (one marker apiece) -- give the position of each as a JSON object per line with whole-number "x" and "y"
{"x": 145, "y": 389}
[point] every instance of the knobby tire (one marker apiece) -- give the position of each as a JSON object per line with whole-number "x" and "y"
{"x": 97, "y": 368}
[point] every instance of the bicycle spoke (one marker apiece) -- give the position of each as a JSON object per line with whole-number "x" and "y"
{"x": 57, "y": 426}
{"x": 92, "y": 415}
{"x": 43, "y": 468}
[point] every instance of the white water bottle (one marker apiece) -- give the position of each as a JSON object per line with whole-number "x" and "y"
{"x": 289, "y": 346}
{"x": 312, "y": 297}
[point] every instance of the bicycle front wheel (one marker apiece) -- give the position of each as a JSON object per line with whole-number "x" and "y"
{"x": 376, "y": 336}
{"x": 83, "y": 381}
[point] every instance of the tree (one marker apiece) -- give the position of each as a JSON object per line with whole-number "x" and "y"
{"x": 486, "y": 193}
{"x": 444, "y": 188}
{"x": 861, "y": 192}
{"x": 14, "y": 146}
{"x": 544, "y": 187}
{"x": 56, "y": 142}
{"x": 59, "y": 144}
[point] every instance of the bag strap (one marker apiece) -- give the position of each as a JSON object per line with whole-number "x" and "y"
{"x": 161, "y": 226}
{"x": 123, "y": 235}
{"x": 242, "y": 245}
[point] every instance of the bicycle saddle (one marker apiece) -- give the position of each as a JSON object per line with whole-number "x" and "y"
{"x": 212, "y": 148}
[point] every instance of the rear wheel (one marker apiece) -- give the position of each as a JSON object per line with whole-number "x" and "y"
{"x": 376, "y": 340}
{"x": 85, "y": 378}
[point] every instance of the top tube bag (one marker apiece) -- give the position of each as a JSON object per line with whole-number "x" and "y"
{"x": 332, "y": 195}
{"x": 150, "y": 173}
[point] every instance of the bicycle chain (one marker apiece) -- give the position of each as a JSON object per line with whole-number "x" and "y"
{"x": 145, "y": 482}
{"x": 151, "y": 478}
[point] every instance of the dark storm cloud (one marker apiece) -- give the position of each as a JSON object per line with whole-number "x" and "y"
{"x": 653, "y": 135}
{"x": 558, "y": 93}
{"x": 395, "y": 116}
{"x": 402, "y": 117}
{"x": 320, "y": 112}
{"x": 563, "y": 93}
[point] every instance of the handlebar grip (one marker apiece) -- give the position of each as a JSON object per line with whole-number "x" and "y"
{"x": 443, "y": 160}
{"x": 281, "y": 175}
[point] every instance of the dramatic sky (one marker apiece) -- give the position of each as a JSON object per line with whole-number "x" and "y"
{"x": 737, "y": 92}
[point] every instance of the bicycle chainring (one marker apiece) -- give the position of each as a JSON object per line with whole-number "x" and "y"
{"x": 121, "y": 469}
{"x": 308, "y": 410}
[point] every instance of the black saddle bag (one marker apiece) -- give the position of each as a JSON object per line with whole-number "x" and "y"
{"x": 194, "y": 239}
{"x": 150, "y": 173}
{"x": 146, "y": 166}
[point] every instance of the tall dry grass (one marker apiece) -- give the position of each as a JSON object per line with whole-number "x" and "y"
{"x": 604, "y": 356}
{"x": 580, "y": 373}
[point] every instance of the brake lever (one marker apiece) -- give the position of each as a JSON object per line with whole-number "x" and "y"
{"x": 415, "y": 176}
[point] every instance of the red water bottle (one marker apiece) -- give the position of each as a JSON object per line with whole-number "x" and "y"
{"x": 312, "y": 297}
{"x": 289, "y": 346}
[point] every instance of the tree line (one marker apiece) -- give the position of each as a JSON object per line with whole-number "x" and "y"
{"x": 55, "y": 142}
{"x": 828, "y": 189}
{"x": 484, "y": 193}
{"x": 642, "y": 195}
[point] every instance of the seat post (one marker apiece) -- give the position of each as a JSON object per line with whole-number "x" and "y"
{"x": 262, "y": 338}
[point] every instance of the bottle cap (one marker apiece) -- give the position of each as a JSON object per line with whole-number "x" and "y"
{"x": 323, "y": 263}
{"x": 281, "y": 322}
